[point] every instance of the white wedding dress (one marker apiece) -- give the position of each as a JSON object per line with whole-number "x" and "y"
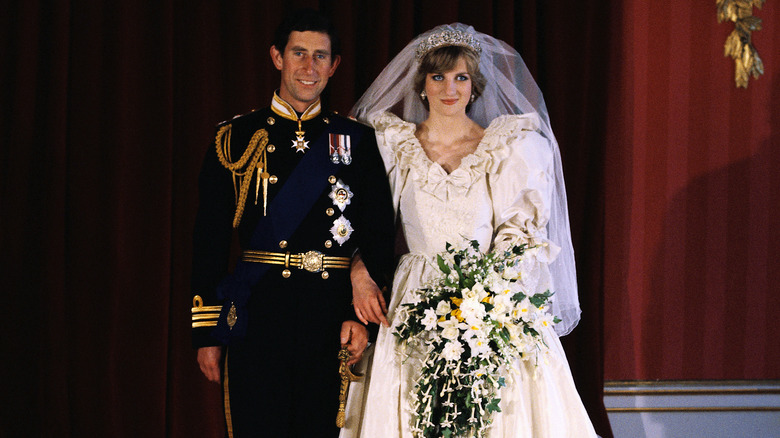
{"x": 498, "y": 194}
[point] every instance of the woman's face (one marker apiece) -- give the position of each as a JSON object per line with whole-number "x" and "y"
{"x": 449, "y": 92}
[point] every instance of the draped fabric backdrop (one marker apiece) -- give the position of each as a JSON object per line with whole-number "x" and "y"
{"x": 108, "y": 107}
{"x": 693, "y": 199}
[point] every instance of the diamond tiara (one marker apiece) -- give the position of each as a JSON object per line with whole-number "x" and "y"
{"x": 447, "y": 38}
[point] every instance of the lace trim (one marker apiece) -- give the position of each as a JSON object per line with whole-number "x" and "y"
{"x": 492, "y": 149}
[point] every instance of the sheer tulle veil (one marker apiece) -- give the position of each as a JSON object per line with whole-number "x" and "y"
{"x": 510, "y": 89}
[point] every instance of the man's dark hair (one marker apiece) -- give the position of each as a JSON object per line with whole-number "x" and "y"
{"x": 306, "y": 20}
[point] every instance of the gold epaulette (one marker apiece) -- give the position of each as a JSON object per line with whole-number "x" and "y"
{"x": 204, "y": 316}
{"x": 254, "y": 157}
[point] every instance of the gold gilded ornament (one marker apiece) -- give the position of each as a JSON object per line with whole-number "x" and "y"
{"x": 286, "y": 273}
{"x": 270, "y": 120}
{"x": 232, "y": 316}
{"x": 739, "y": 45}
{"x": 311, "y": 261}
{"x": 328, "y": 244}
{"x": 271, "y": 148}
{"x": 283, "y": 244}
{"x": 347, "y": 376}
{"x": 330, "y": 212}
{"x": 325, "y": 275}
{"x": 332, "y": 179}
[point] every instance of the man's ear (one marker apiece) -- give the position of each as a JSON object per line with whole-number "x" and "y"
{"x": 334, "y": 64}
{"x": 276, "y": 57}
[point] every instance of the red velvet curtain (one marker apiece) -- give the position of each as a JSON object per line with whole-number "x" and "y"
{"x": 107, "y": 108}
{"x": 692, "y": 200}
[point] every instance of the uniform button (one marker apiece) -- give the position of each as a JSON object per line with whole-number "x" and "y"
{"x": 332, "y": 179}
{"x": 325, "y": 275}
{"x": 270, "y": 148}
{"x": 270, "y": 120}
{"x": 286, "y": 273}
{"x": 273, "y": 179}
{"x": 328, "y": 244}
{"x": 283, "y": 244}
{"x": 329, "y": 212}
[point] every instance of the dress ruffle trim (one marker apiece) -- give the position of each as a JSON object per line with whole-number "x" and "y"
{"x": 492, "y": 149}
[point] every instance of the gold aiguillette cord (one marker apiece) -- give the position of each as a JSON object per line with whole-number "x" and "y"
{"x": 347, "y": 376}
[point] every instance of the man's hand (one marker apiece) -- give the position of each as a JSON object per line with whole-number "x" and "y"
{"x": 367, "y": 298}
{"x": 354, "y": 336}
{"x": 209, "y": 359}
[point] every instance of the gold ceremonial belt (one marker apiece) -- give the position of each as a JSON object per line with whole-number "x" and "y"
{"x": 312, "y": 261}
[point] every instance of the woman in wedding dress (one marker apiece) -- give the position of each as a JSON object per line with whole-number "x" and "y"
{"x": 470, "y": 155}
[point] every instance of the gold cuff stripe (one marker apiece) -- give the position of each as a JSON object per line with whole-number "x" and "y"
{"x": 198, "y": 324}
{"x": 205, "y": 316}
{"x": 206, "y": 309}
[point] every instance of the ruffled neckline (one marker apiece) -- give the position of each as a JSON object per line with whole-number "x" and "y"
{"x": 486, "y": 158}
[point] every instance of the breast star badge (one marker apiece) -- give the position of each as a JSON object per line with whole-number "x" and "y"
{"x": 340, "y": 194}
{"x": 341, "y": 230}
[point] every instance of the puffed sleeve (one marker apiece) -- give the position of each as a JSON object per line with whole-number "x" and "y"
{"x": 521, "y": 188}
{"x": 390, "y": 130}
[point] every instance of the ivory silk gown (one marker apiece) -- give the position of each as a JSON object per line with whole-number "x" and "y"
{"x": 500, "y": 193}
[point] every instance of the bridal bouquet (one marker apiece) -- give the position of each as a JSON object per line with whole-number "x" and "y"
{"x": 471, "y": 325}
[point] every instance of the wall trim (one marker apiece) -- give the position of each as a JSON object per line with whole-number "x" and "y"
{"x": 673, "y": 408}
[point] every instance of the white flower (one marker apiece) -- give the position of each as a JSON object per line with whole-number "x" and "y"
{"x": 543, "y": 321}
{"x": 511, "y": 273}
{"x": 473, "y": 312}
{"x": 443, "y": 308}
{"x": 494, "y": 280}
{"x": 499, "y": 312}
{"x": 523, "y": 310}
{"x": 449, "y": 259}
{"x": 452, "y": 351}
{"x": 429, "y": 319}
{"x": 479, "y": 346}
{"x": 450, "y": 329}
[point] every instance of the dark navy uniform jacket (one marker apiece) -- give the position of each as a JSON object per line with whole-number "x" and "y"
{"x": 282, "y": 376}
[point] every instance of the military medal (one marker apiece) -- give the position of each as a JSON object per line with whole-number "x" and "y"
{"x": 341, "y": 195}
{"x": 340, "y": 148}
{"x": 300, "y": 144}
{"x": 284, "y": 109}
{"x": 341, "y": 230}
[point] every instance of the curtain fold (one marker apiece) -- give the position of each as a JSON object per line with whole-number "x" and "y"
{"x": 108, "y": 108}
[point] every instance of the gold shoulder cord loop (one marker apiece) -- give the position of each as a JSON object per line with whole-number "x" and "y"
{"x": 254, "y": 155}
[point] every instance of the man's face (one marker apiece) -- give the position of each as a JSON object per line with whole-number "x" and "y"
{"x": 306, "y": 66}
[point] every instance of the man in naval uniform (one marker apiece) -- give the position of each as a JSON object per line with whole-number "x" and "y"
{"x": 306, "y": 191}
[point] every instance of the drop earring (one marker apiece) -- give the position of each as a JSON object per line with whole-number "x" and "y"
{"x": 423, "y": 95}
{"x": 472, "y": 98}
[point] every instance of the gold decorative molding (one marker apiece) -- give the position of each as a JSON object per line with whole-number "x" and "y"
{"x": 698, "y": 409}
{"x": 691, "y": 387}
{"x": 634, "y": 396}
{"x": 739, "y": 45}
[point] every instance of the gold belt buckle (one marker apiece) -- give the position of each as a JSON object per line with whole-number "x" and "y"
{"x": 312, "y": 261}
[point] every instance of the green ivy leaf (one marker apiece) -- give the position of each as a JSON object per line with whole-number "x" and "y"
{"x": 443, "y": 266}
